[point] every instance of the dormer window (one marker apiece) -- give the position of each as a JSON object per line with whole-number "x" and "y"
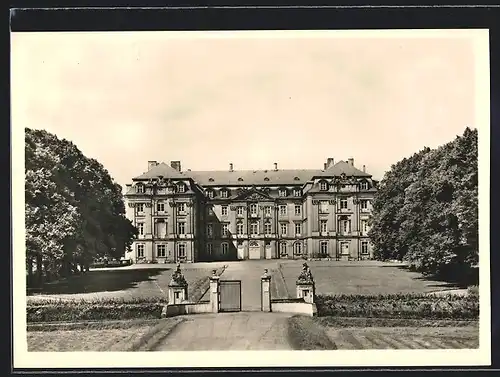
{"x": 266, "y": 179}
{"x": 297, "y": 192}
{"x": 210, "y": 179}
{"x": 282, "y": 192}
{"x": 139, "y": 188}
{"x": 364, "y": 185}
{"x": 210, "y": 194}
{"x": 224, "y": 194}
{"x": 181, "y": 187}
{"x": 323, "y": 186}
{"x": 240, "y": 179}
{"x": 296, "y": 179}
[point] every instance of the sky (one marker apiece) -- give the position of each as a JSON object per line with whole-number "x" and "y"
{"x": 251, "y": 99}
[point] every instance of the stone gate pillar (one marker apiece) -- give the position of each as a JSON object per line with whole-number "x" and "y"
{"x": 177, "y": 288}
{"x": 265, "y": 292}
{"x": 305, "y": 285}
{"x": 214, "y": 291}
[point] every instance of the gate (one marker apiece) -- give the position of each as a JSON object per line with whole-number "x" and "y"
{"x": 230, "y": 295}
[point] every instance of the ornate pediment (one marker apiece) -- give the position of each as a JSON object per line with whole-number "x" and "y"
{"x": 253, "y": 194}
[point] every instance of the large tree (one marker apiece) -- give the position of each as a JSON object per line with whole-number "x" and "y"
{"x": 74, "y": 209}
{"x": 426, "y": 210}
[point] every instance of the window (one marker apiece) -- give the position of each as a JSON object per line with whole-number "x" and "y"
{"x": 210, "y": 230}
{"x": 140, "y": 250}
{"x": 253, "y": 209}
{"x": 266, "y": 179}
{"x": 267, "y": 211}
{"x": 210, "y": 179}
{"x": 323, "y": 186}
{"x": 239, "y": 211}
{"x": 225, "y": 230}
{"x": 284, "y": 229}
{"x": 323, "y": 206}
{"x": 161, "y": 228}
{"x": 283, "y": 249}
{"x": 298, "y": 210}
{"x": 364, "y": 203}
{"x": 224, "y": 210}
{"x": 297, "y": 248}
{"x": 323, "y": 225}
{"x": 323, "y": 247}
{"x": 364, "y": 226}
{"x": 210, "y": 211}
{"x": 181, "y": 250}
{"x": 140, "y": 228}
{"x": 267, "y": 228}
{"x": 223, "y": 194}
{"x": 364, "y": 247}
{"x": 240, "y": 179}
{"x": 344, "y": 248}
{"x": 364, "y": 185}
{"x": 282, "y": 192}
{"x": 225, "y": 247}
{"x": 160, "y": 207}
{"x": 298, "y": 229}
{"x": 297, "y": 192}
{"x": 346, "y": 226}
{"x": 181, "y": 207}
{"x": 254, "y": 228}
{"x": 139, "y": 188}
{"x": 140, "y": 207}
{"x": 181, "y": 228}
{"x": 209, "y": 248}
{"x": 210, "y": 194}
{"x": 181, "y": 187}
{"x": 282, "y": 210}
{"x": 161, "y": 251}
{"x": 239, "y": 228}
{"x": 343, "y": 203}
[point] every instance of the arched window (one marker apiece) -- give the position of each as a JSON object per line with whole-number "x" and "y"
{"x": 283, "y": 251}
{"x": 266, "y": 179}
{"x": 240, "y": 179}
{"x": 296, "y": 179}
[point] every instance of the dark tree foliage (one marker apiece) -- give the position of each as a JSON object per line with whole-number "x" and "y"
{"x": 74, "y": 211}
{"x": 426, "y": 208}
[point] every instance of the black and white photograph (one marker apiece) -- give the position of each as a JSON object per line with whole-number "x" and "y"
{"x": 264, "y": 191}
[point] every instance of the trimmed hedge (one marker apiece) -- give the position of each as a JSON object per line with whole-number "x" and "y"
{"x": 411, "y": 306}
{"x": 72, "y": 311}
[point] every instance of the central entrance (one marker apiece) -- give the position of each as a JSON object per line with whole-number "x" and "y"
{"x": 254, "y": 250}
{"x": 230, "y": 295}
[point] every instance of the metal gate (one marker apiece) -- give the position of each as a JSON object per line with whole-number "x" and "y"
{"x": 230, "y": 295}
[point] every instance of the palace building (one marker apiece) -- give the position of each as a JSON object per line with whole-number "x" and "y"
{"x": 195, "y": 216}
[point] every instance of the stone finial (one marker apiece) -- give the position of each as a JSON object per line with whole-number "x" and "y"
{"x": 305, "y": 276}
{"x": 177, "y": 277}
{"x": 266, "y": 274}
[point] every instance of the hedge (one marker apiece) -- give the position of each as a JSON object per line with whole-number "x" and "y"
{"x": 411, "y": 306}
{"x": 72, "y": 311}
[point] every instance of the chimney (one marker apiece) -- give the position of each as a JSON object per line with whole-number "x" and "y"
{"x": 351, "y": 161}
{"x": 275, "y": 166}
{"x": 329, "y": 162}
{"x": 325, "y": 166}
{"x": 176, "y": 165}
{"x": 231, "y": 166}
{"x": 364, "y": 168}
{"x": 152, "y": 164}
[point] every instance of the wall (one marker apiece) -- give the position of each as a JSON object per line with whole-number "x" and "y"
{"x": 189, "y": 308}
{"x": 293, "y": 306}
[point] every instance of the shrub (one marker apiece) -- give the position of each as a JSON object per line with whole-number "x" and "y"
{"x": 411, "y": 306}
{"x": 473, "y": 291}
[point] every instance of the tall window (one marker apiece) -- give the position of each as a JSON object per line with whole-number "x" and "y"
{"x": 225, "y": 229}
{"x": 253, "y": 209}
{"x": 282, "y": 192}
{"x": 181, "y": 250}
{"x": 284, "y": 229}
{"x": 160, "y": 207}
{"x": 343, "y": 203}
{"x": 239, "y": 210}
{"x": 282, "y": 210}
{"x": 267, "y": 228}
{"x": 140, "y": 228}
{"x": 181, "y": 187}
{"x": 210, "y": 230}
{"x": 323, "y": 206}
{"x": 267, "y": 211}
{"x": 140, "y": 250}
{"x": 283, "y": 249}
{"x": 209, "y": 248}
{"x": 161, "y": 251}
{"x": 323, "y": 225}
{"x": 364, "y": 226}
{"x": 323, "y": 247}
{"x": 224, "y": 210}
{"x": 139, "y": 207}
{"x": 298, "y": 229}
{"x": 364, "y": 247}
{"x": 346, "y": 226}
{"x": 161, "y": 228}
{"x": 239, "y": 228}
{"x": 181, "y": 207}
{"x": 223, "y": 194}
{"x": 297, "y": 248}
{"x": 298, "y": 210}
{"x": 364, "y": 203}
{"x": 181, "y": 228}
{"x": 225, "y": 248}
{"x": 139, "y": 189}
{"x": 254, "y": 228}
{"x": 323, "y": 186}
{"x": 297, "y": 192}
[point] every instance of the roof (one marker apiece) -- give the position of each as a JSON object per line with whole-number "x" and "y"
{"x": 254, "y": 177}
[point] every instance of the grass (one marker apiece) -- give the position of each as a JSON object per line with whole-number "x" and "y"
{"x": 340, "y": 322}
{"x": 118, "y": 336}
{"x": 305, "y": 334}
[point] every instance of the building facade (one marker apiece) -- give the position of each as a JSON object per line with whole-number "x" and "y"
{"x": 195, "y": 216}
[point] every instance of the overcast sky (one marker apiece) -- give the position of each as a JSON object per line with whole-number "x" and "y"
{"x": 291, "y": 98}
